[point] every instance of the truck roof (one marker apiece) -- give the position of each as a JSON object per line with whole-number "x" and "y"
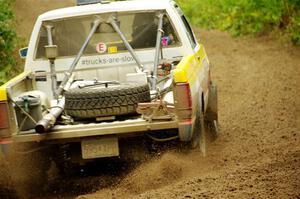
{"x": 117, "y": 6}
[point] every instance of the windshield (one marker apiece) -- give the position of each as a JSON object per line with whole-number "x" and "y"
{"x": 140, "y": 29}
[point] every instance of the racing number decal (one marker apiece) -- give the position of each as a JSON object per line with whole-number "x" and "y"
{"x": 101, "y": 48}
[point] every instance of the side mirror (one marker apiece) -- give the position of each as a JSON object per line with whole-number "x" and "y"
{"x": 23, "y": 52}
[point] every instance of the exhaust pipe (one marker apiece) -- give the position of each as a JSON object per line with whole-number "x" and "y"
{"x": 49, "y": 120}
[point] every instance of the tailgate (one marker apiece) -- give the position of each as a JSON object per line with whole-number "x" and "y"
{"x": 133, "y": 126}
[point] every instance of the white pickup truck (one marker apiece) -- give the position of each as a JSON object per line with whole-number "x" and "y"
{"x": 102, "y": 72}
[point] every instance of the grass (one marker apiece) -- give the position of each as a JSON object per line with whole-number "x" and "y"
{"x": 240, "y": 17}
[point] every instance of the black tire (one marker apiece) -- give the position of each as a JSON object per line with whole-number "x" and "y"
{"x": 101, "y": 101}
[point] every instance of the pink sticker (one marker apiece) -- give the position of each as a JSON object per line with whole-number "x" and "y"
{"x": 101, "y": 48}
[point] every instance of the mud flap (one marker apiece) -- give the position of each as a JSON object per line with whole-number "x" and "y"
{"x": 211, "y": 113}
{"x": 185, "y": 130}
{"x": 4, "y": 146}
{"x": 199, "y": 138}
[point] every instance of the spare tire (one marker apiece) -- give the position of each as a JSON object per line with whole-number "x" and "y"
{"x": 105, "y": 100}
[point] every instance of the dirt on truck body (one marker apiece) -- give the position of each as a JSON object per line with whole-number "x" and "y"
{"x": 100, "y": 73}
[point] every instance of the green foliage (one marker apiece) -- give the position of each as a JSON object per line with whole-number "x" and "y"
{"x": 241, "y": 17}
{"x": 7, "y": 40}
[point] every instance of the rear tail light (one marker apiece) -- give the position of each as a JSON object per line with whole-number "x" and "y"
{"x": 183, "y": 95}
{"x": 4, "y": 121}
{"x": 183, "y": 100}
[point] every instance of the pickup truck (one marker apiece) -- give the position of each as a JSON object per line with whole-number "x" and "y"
{"x": 101, "y": 72}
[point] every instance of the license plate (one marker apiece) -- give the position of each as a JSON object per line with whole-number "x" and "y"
{"x": 99, "y": 148}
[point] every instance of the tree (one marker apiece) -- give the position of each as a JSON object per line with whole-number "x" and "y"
{"x": 7, "y": 40}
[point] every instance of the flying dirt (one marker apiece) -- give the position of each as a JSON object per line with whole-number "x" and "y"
{"x": 257, "y": 154}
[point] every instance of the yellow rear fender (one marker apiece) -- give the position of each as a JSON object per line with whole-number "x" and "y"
{"x": 190, "y": 66}
{"x": 13, "y": 82}
{"x": 194, "y": 71}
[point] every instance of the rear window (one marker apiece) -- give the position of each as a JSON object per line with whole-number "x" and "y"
{"x": 139, "y": 28}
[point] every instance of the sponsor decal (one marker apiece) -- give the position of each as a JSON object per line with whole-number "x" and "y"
{"x": 105, "y": 61}
{"x": 101, "y": 48}
{"x": 113, "y": 49}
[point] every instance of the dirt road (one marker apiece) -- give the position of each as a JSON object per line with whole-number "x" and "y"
{"x": 258, "y": 152}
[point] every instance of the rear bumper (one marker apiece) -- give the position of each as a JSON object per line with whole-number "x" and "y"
{"x": 117, "y": 128}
